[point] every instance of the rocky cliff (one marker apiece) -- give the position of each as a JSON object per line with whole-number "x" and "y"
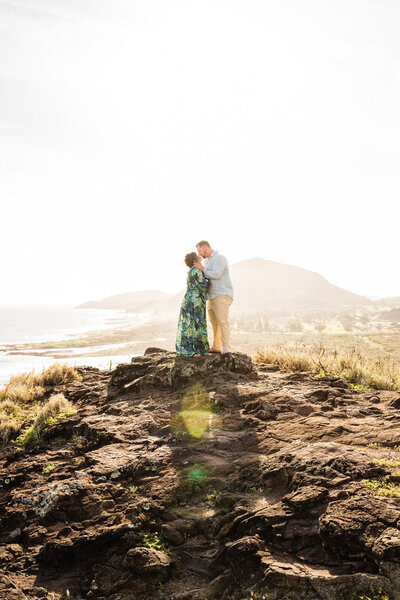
{"x": 205, "y": 478}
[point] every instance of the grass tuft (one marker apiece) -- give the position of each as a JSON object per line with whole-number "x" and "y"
{"x": 52, "y": 411}
{"x": 23, "y": 400}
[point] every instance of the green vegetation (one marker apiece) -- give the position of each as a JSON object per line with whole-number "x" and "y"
{"x": 52, "y": 411}
{"x": 27, "y": 400}
{"x": 383, "y": 488}
{"x": 373, "y": 594}
{"x": 378, "y": 446}
{"x": 360, "y": 388}
{"x": 49, "y": 468}
{"x": 383, "y": 462}
{"x": 374, "y": 445}
{"x": 153, "y": 540}
{"x": 360, "y": 371}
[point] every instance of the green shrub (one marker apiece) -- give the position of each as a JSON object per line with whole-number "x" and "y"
{"x": 153, "y": 540}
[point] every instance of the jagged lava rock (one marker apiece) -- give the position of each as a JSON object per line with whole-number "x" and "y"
{"x": 204, "y": 478}
{"x": 158, "y": 368}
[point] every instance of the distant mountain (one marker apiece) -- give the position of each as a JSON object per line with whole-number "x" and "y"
{"x": 127, "y": 301}
{"x": 391, "y": 315}
{"x": 259, "y": 285}
{"x": 267, "y": 285}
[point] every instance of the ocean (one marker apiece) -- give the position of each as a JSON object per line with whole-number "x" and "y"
{"x": 28, "y": 324}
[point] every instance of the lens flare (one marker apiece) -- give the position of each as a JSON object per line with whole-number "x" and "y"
{"x": 196, "y": 422}
{"x": 197, "y": 474}
{"x": 197, "y": 417}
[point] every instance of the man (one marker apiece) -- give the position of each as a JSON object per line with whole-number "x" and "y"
{"x": 220, "y": 296}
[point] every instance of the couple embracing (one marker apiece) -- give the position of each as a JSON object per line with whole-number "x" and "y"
{"x": 211, "y": 281}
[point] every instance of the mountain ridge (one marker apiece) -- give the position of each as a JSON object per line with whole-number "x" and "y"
{"x": 121, "y": 301}
{"x": 259, "y": 285}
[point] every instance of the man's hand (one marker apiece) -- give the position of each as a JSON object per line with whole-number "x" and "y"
{"x": 199, "y": 265}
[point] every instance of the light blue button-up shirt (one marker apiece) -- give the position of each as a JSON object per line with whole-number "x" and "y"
{"x": 217, "y": 271}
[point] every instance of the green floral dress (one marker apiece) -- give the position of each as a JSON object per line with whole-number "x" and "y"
{"x": 191, "y": 337}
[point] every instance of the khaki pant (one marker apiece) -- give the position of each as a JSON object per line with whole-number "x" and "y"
{"x": 218, "y": 309}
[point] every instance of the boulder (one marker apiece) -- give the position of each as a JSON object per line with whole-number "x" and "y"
{"x": 362, "y": 527}
{"x": 305, "y": 497}
{"x": 167, "y": 370}
{"x": 148, "y": 563}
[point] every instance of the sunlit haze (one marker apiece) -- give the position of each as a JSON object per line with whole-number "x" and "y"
{"x": 131, "y": 129}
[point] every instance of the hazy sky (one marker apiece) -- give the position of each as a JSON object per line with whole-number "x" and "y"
{"x": 130, "y": 129}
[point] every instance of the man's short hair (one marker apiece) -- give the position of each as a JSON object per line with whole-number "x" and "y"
{"x": 203, "y": 243}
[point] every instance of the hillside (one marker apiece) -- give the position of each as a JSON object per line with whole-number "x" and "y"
{"x": 267, "y": 285}
{"x": 127, "y": 301}
{"x": 391, "y": 315}
{"x": 259, "y": 285}
{"x": 209, "y": 478}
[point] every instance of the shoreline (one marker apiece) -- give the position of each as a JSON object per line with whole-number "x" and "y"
{"x": 113, "y": 341}
{"x": 133, "y": 334}
{"x": 31, "y": 325}
{"x": 102, "y": 342}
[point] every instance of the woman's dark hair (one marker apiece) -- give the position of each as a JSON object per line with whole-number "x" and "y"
{"x": 191, "y": 258}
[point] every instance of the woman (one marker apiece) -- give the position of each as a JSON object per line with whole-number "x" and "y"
{"x": 192, "y": 337}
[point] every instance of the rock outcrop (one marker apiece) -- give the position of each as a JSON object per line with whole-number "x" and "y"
{"x": 205, "y": 478}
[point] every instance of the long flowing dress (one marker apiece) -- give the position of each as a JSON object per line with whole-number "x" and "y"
{"x": 192, "y": 337}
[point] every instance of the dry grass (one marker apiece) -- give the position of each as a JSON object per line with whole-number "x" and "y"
{"x": 361, "y": 371}
{"x": 28, "y": 387}
{"x": 8, "y": 407}
{"x": 55, "y": 409}
{"x": 22, "y": 390}
{"x": 8, "y": 428}
{"x": 57, "y": 374}
{"x": 23, "y": 400}
{"x": 285, "y": 358}
{"x": 55, "y": 405}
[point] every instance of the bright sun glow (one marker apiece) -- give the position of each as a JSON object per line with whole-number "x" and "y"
{"x": 132, "y": 129}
